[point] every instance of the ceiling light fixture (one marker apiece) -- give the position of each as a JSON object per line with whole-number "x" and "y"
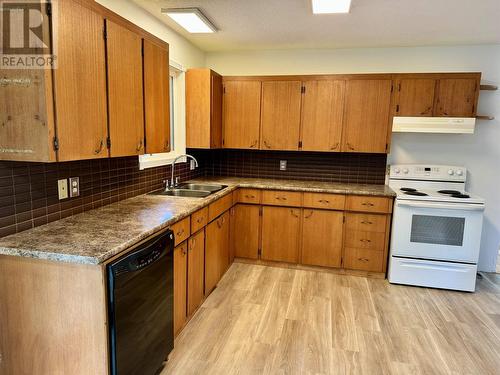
{"x": 331, "y": 6}
{"x": 191, "y": 19}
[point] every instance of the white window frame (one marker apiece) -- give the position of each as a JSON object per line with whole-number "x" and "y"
{"x": 179, "y": 116}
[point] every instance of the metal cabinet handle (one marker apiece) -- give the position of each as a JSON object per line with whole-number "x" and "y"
{"x": 183, "y": 250}
{"x": 323, "y": 201}
{"x": 350, "y": 146}
{"x": 193, "y": 242}
{"x": 249, "y": 196}
{"x": 369, "y": 204}
{"x": 219, "y": 223}
{"x": 139, "y": 146}
{"x": 308, "y": 216}
{"x": 166, "y": 146}
{"x": 99, "y": 149}
{"x": 367, "y": 222}
{"x": 253, "y": 144}
{"x": 199, "y": 220}
{"x": 365, "y": 240}
{"x": 281, "y": 198}
{"x": 180, "y": 232}
{"x": 335, "y": 146}
{"x": 293, "y": 213}
{"x": 266, "y": 144}
{"x": 363, "y": 259}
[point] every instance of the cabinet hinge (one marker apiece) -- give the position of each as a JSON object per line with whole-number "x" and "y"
{"x": 104, "y": 32}
{"x": 473, "y": 107}
{"x": 49, "y": 9}
{"x": 302, "y": 89}
{"x": 56, "y": 143}
{"x": 223, "y": 141}
{"x": 386, "y": 146}
{"x": 399, "y": 86}
{"x": 392, "y": 88}
{"x": 224, "y": 90}
{"x": 300, "y": 144}
{"x": 260, "y": 211}
{"x": 341, "y": 261}
{"x": 108, "y": 142}
{"x": 397, "y": 108}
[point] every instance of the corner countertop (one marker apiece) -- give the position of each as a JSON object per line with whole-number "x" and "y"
{"x": 97, "y": 235}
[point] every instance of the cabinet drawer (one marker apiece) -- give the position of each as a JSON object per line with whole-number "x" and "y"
{"x": 199, "y": 219}
{"x": 364, "y": 259}
{"x": 181, "y": 230}
{"x": 248, "y": 196}
{"x": 282, "y": 198}
{"x": 219, "y": 206}
{"x": 322, "y": 200}
{"x": 365, "y": 240}
{"x": 368, "y": 203}
{"x": 366, "y": 222}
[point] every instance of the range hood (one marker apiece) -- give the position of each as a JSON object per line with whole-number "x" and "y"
{"x": 448, "y": 125}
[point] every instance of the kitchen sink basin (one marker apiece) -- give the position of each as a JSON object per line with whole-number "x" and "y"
{"x": 190, "y": 193}
{"x": 212, "y": 188}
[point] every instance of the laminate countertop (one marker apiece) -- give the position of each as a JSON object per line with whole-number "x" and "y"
{"x": 97, "y": 235}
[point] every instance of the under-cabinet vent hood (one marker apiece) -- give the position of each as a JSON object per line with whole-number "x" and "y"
{"x": 449, "y": 125}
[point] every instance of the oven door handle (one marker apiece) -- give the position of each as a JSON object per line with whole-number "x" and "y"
{"x": 452, "y": 206}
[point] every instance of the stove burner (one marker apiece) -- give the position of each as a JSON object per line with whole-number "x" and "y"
{"x": 449, "y": 192}
{"x": 460, "y": 195}
{"x": 418, "y": 193}
{"x": 408, "y": 189}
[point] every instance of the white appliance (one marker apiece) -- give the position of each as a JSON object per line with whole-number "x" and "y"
{"x": 436, "y": 227}
{"x": 456, "y": 125}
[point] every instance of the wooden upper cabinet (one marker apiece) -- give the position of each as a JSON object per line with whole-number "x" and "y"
{"x": 322, "y": 115}
{"x": 415, "y": 97}
{"x": 203, "y": 109}
{"x": 241, "y": 120}
{"x": 80, "y": 84}
{"x": 156, "y": 97}
{"x": 367, "y": 110}
{"x": 125, "y": 90}
{"x": 280, "y": 119}
{"x": 457, "y": 97}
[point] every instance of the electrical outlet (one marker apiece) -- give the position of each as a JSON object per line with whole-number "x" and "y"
{"x": 62, "y": 188}
{"x": 282, "y": 165}
{"x": 74, "y": 187}
{"x": 191, "y": 164}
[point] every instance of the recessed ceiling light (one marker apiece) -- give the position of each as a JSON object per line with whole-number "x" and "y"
{"x": 191, "y": 19}
{"x": 331, "y": 6}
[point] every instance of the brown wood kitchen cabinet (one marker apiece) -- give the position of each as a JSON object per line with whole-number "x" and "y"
{"x": 322, "y": 115}
{"x": 367, "y": 109}
{"x": 180, "y": 286}
{"x": 156, "y": 97}
{"x": 457, "y": 97}
{"x": 246, "y": 221}
{"x": 203, "y": 109}
{"x": 281, "y": 234}
{"x": 414, "y": 97}
{"x": 280, "y": 118}
{"x": 241, "y": 120}
{"x": 216, "y": 251}
{"x": 196, "y": 268}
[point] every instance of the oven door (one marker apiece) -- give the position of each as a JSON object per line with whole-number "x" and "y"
{"x": 437, "y": 230}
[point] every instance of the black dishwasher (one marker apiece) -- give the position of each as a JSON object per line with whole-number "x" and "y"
{"x": 140, "y": 305}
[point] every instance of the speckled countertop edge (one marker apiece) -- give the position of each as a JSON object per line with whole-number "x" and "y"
{"x": 97, "y": 235}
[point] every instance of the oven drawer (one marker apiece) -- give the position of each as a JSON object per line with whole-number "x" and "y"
{"x": 364, "y": 259}
{"x": 366, "y": 222}
{"x": 365, "y": 240}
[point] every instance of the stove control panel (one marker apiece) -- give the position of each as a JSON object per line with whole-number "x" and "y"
{"x": 428, "y": 172}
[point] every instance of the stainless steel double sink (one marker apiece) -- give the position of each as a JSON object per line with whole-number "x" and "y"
{"x": 191, "y": 190}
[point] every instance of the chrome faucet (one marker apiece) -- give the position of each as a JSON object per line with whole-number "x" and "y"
{"x": 172, "y": 183}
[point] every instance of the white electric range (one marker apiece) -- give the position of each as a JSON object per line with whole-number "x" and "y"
{"x": 436, "y": 227}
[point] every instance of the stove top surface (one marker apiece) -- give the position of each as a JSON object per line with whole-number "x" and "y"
{"x": 443, "y": 195}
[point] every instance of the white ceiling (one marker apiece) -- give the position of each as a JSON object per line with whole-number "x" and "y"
{"x": 280, "y": 24}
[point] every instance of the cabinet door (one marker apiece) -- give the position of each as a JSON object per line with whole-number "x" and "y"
{"x": 180, "y": 286}
{"x": 456, "y": 97}
{"x": 246, "y": 231}
{"x": 80, "y": 84}
{"x": 280, "y": 234}
{"x": 224, "y": 249}
{"x": 215, "y": 110}
{"x": 196, "y": 260}
{"x": 415, "y": 97}
{"x": 322, "y": 115}
{"x": 322, "y": 238}
{"x": 281, "y": 102}
{"x": 366, "y": 123}
{"x": 242, "y": 114}
{"x": 126, "y": 114}
{"x": 156, "y": 98}
{"x": 216, "y": 251}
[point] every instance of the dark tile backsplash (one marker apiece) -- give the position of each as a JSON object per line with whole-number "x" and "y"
{"x": 28, "y": 191}
{"x": 318, "y": 166}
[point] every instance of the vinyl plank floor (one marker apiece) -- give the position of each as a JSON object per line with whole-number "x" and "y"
{"x": 267, "y": 320}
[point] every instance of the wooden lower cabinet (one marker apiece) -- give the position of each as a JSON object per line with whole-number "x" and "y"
{"x": 364, "y": 259}
{"x": 196, "y": 263}
{"x": 322, "y": 238}
{"x": 280, "y": 234}
{"x": 246, "y": 229}
{"x": 216, "y": 251}
{"x": 180, "y": 286}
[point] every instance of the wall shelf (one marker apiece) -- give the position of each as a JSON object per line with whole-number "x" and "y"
{"x": 485, "y": 117}
{"x": 488, "y": 87}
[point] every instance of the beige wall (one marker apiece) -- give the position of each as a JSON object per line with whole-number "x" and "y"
{"x": 480, "y": 152}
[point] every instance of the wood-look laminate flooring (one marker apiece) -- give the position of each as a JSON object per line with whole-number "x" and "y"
{"x": 266, "y": 320}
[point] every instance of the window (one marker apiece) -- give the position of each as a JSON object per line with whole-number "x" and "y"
{"x": 177, "y": 123}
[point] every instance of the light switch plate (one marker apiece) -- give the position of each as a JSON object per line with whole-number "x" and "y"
{"x": 62, "y": 188}
{"x": 282, "y": 165}
{"x": 74, "y": 187}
